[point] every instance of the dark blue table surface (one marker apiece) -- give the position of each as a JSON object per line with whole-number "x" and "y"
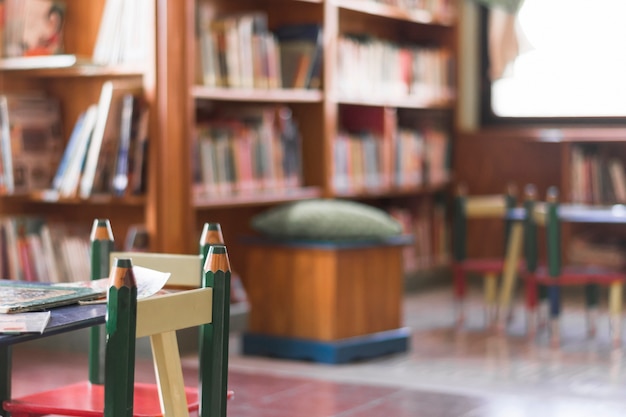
{"x": 575, "y": 213}
{"x": 62, "y": 319}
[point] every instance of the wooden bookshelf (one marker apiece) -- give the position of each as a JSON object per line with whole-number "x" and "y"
{"x": 171, "y": 211}
{"x": 317, "y": 111}
{"x": 78, "y": 85}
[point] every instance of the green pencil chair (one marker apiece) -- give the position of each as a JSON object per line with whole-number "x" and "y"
{"x": 206, "y": 306}
{"x": 468, "y": 208}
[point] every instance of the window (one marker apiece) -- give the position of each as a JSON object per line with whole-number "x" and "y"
{"x": 569, "y": 65}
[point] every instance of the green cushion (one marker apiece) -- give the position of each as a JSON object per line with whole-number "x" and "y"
{"x": 326, "y": 219}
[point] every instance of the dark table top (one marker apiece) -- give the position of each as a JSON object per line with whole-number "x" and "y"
{"x": 62, "y": 319}
{"x": 575, "y": 213}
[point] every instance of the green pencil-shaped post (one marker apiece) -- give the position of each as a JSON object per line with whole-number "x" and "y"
{"x": 121, "y": 324}
{"x": 101, "y": 246}
{"x": 211, "y": 235}
{"x": 214, "y": 337}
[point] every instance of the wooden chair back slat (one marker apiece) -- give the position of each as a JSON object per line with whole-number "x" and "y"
{"x": 178, "y": 310}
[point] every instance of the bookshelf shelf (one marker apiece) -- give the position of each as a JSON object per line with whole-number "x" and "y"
{"x": 393, "y": 12}
{"x": 131, "y": 201}
{"x": 394, "y": 192}
{"x": 257, "y": 95}
{"x": 257, "y": 199}
{"x": 409, "y": 102}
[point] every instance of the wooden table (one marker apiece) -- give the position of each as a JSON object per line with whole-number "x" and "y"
{"x": 571, "y": 213}
{"x": 62, "y": 320}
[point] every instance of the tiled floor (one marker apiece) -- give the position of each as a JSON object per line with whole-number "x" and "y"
{"x": 445, "y": 374}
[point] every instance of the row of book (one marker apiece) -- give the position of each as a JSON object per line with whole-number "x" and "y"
{"x": 105, "y": 152}
{"x": 252, "y": 150}
{"x": 367, "y": 158}
{"x": 240, "y": 51}
{"x": 125, "y": 32}
{"x": 597, "y": 177}
{"x": 33, "y": 250}
{"x": 429, "y": 227}
{"x": 370, "y": 67}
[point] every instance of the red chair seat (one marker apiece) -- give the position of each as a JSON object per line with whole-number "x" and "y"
{"x": 87, "y": 400}
{"x": 578, "y": 275}
{"x": 485, "y": 266}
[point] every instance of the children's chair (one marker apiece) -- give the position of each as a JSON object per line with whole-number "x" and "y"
{"x": 544, "y": 282}
{"x": 466, "y": 209}
{"x": 207, "y": 305}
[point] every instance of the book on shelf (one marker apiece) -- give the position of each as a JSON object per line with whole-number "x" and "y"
{"x": 124, "y": 32}
{"x": 31, "y": 141}
{"x": 33, "y": 27}
{"x": 597, "y": 176}
{"x": 70, "y": 168}
{"x": 300, "y": 47}
{"x": 131, "y": 126}
{"x": 35, "y": 250}
{"x": 234, "y": 49}
{"x": 618, "y": 179}
{"x": 100, "y": 160}
{"x": 377, "y": 123}
{"x": 249, "y": 150}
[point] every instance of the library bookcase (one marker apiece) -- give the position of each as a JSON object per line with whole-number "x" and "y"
{"x": 334, "y": 106}
{"x": 77, "y": 87}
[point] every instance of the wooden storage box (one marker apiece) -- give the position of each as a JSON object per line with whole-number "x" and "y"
{"x": 324, "y": 292}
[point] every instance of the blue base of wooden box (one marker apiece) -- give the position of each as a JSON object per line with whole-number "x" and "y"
{"x": 332, "y": 352}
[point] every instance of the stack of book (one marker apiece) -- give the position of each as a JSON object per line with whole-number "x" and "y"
{"x": 106, "y": 151}
{"x": 255, "y": 150}
{"x": 239, "y": 51}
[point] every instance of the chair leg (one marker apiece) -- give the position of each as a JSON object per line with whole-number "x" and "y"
{"x": 592, "y": 300}
{"x": 530, "y": 293}
{"x": 592, "y": 321}
{"x": 458, "y": 277}
{"x": 490, "y": 292}
{"x": 615, "y": 312}
{"x": 554, "y": 297}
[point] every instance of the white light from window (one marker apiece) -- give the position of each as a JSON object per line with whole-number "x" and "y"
{"x": 574, "y": 64}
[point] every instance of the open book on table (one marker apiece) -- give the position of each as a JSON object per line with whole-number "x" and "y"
{"x": 20, "y": 296}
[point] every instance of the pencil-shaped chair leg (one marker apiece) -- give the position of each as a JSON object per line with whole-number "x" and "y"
{"x": 121, "y": 325}
{"x": 530, "y": 301}
{"x": 101, "y": 246}
{"x": 490, "y": 293}
{"x": 214, "y": 382}
{"x": 554, "y": 296}
{"x": 592, "y": 300}
{"x": 615, "y": 312}
{"x": 459, "y": 296}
